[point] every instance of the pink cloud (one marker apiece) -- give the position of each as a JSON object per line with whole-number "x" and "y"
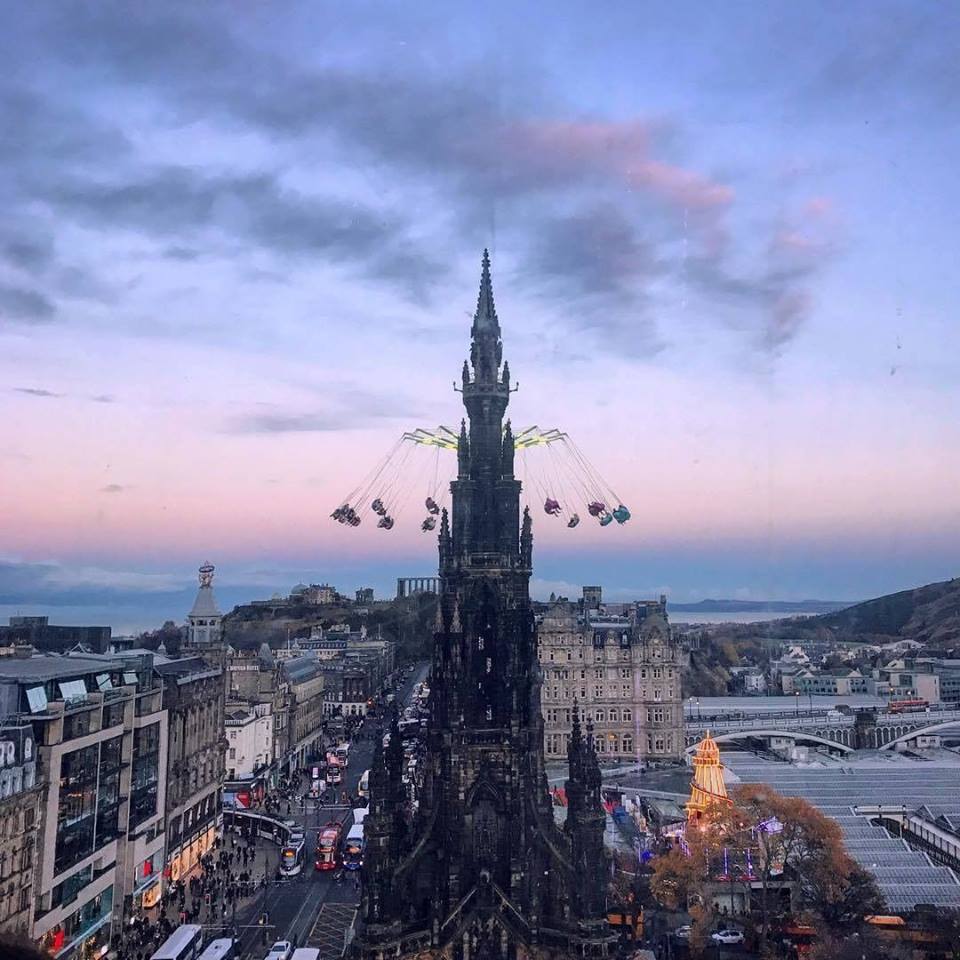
{"x": 618, "y": 149}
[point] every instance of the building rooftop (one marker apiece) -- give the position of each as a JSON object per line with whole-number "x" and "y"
{"x": 43, "y": 667}
{"x": 188, "y": 666}
{"x": 906, "y": 877}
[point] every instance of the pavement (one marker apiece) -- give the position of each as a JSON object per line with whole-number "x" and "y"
{"x": 312, "y": 908}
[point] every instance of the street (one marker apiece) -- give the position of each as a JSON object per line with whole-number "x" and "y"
{"x": 313, "y": 909}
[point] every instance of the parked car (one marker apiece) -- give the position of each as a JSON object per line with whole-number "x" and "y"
{"x": 727, "y": 937}
{"x": 281, "y": 950}
{"x": 682, "y": 933}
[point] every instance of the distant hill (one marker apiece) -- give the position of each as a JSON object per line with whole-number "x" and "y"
{"x": 929, "y": 614}
{"x": 759, "y": 606}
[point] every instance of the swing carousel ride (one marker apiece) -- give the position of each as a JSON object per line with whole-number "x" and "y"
{"x": 552, "y": 467}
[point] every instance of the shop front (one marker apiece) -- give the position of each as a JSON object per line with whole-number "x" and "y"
{"x": 146, "y": 893}
{"x": 85, "y": 934}
{"x": 186, "y": 857}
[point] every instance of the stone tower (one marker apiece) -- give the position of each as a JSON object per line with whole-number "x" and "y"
{"x": 205, "y": 621}
{"x": 482, "y": 871}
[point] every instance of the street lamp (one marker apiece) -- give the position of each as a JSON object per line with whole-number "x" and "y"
{"x": 699, "y": 717}
{"x": 796, "y": 701}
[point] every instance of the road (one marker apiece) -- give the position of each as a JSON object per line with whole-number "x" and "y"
{"x": 312, "y": 909}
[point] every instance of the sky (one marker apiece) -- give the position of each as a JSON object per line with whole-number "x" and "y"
{"x": 240, "y": 252}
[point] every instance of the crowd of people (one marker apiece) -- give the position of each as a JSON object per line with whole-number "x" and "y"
{"x": 227, "y": 876}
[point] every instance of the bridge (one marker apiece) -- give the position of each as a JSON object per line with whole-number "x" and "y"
{"x": 835, "y": 731}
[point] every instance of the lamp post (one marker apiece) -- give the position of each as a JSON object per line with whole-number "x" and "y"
{"x": 796, "y": 701}
{"x": 699, "y": 716}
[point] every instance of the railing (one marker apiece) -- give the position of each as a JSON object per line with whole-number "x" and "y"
{"x": 762, "y": 723}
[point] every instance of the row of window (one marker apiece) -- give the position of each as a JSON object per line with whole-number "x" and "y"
{"x": 611, "y": 715}
{"x": 15, "y": 822}
{"x": 614, "y": 743}
{"x": 16, "y": 860}
{"x": 623, "y": 691}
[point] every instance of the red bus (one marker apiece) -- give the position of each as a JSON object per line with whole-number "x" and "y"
{"x": 328, "y": 846}
{"x": 907, "y": 706}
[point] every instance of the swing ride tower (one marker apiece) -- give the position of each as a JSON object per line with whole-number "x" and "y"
{"x": 483, "y": 871}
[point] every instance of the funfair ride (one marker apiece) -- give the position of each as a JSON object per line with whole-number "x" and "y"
{"x": 553, "y": 467}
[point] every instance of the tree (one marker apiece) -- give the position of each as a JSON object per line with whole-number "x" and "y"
{"x": 677, "y": 878}
{"x": 791, "y": 833}
{"x": 845, "y": 904}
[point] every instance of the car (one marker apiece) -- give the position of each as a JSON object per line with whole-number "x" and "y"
{"x": 281, "y": 950}
{"x": 682, "y": 933}
{"x": 727, "y": 937}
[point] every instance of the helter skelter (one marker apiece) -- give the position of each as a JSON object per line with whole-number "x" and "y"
{"x": 552, "y": 466}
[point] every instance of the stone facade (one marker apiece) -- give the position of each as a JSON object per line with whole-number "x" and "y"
{"x": 483, "y": 871}
{"x": 305, "y": 725}
{"x": 20, "y": 794}
{"x": 622, "y": 669}
{"x": 193, "y": 696}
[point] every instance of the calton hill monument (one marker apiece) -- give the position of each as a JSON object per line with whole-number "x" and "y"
{"x": 484, "y": 871}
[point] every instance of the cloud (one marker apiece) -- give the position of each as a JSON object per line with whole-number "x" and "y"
{"x": 289, "y": 422}
{"x": 174, "y": 201}
{"x": 37, "y": 392}
{"x": 346, "y": 407}
{"x": 594, "y": 208}
{"x": 774, "y": 300}
{"x": 103, "y": 398}
{"x": 55, "y": 584}
{"x": 19, "y": 303}
{"x": 29, "y": 253}
{"x": 352, "y": 409}
{"x": 113, "y": 488}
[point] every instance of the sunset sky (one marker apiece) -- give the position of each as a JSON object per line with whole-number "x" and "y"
{"x": 240, "y": 250}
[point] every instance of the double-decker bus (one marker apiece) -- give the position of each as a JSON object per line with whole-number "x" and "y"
{"x": 292, "y": 856}
{"x": 353, "y": 848}
{"x": 907, "y": 706}
{"x": 328, "y": 843}
{"x": 343, "y": 754}
{"x": 363, "y": 788}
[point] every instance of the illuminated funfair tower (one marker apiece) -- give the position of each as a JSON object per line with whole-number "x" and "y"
{"x": 707, "y": 789}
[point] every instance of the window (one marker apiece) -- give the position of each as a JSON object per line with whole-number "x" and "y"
{"x": 624, "y": 673}
{"x": 598, "y": 691}
{"x": 625, "y": 690}
{"x": 627, "y": 715}
{"x": 643, "y": 673}
{"x": 657, "y": 673}
{"x": 600, "y": 716}
{"x": 614, "y": 715}
{"x": 145, "y": 776}
{"x": 659, "y": 744}
{"x": 657, "y": 693}
{"x": 233, "y": 754}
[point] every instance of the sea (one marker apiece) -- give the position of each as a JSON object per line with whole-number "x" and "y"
{"x": 736, "y": 616}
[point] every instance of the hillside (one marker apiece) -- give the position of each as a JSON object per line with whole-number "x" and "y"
{"x": 929, "y": 614}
